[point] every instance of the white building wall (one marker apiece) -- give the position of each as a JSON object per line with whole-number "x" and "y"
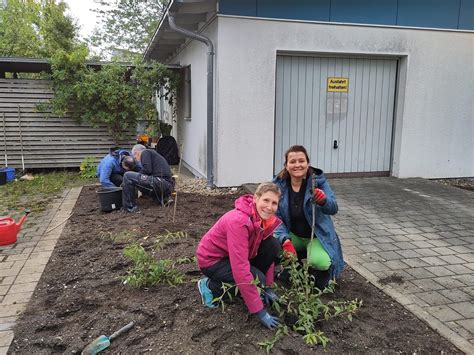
{"x": 192, "y": 132}
{"x": 434, "y": 126}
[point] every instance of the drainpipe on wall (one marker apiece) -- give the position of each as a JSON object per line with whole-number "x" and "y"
{"x": 210, "y": 94}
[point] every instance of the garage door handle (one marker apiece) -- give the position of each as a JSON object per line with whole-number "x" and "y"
{"x": 335, "y": 146}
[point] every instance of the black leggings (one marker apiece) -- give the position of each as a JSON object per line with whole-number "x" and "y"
{"x": 221, "y": 272}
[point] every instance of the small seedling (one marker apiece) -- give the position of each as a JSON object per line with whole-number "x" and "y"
{"x": 147, "y": 271}
{"x": 164, "y": 239}
{"x": 120, "y": 237}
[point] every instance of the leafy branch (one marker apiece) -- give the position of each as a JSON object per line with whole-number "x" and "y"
{"x": 115, "y": 94}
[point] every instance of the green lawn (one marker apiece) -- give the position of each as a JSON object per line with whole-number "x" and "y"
{"x": 36, "y": 194}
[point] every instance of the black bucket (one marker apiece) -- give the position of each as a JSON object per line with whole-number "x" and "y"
{"x": 110, "y": 198}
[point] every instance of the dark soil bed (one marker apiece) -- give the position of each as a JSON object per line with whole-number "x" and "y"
{"x": 81, "y": 295}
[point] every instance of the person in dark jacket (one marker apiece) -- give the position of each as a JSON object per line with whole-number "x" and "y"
{"x": 240, "y": 248}
{"x": 304, "y": 190}
{"x": 112, "y": 167}
{"x": 154, "y": 176}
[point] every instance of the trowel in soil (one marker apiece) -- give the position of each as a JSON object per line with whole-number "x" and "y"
{"x": 103, "y": 342}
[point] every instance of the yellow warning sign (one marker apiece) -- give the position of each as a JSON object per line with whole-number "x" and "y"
{"x": 338, "y": 84}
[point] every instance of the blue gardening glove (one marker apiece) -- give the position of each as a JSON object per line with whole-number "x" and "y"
{"x": 267, "y": 319}
{"x": 269, "y": 296}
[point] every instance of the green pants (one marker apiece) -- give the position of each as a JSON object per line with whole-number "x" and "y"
{"x": 317, "y": 257}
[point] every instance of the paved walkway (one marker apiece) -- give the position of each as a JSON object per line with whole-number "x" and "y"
{"x": 421, "y": 233}
{"x": 22, "y": 263}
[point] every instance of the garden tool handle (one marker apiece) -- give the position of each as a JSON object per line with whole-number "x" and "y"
{"x": 122, "y": 330}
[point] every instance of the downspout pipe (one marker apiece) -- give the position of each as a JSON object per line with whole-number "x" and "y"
{"x": 210, "y": 93}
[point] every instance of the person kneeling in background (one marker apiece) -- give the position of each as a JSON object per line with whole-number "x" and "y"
{"x": 240, "y": 248}
{"x": 112, "y": 167}
{"x": 154, "y": 178}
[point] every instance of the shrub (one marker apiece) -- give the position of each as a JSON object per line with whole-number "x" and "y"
{"x": 146, "y": 271}
{"x": 301, "y": 304}
{"x": 88, "y": 168}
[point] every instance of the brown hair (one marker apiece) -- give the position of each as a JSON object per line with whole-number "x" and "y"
{"x": 128, "y": 163}
{"x": 266, "y": 187}
{"x": 283, "y": 174}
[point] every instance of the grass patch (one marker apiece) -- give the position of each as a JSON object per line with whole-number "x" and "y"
{"x": 37, "y": 193}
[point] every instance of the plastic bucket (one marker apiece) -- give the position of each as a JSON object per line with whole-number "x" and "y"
{"x": 110, "y": 198}
{"x": 9, "y": 174}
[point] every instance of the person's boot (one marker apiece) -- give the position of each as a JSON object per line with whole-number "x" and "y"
{"x": 321, "y": 278}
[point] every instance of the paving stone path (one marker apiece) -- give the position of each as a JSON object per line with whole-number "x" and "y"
{"x": 22, "y": 263}
{"x": 414, "y": 239}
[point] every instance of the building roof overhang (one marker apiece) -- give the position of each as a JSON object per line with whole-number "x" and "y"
{"x": 188, "y": 14}
{"x": 38, "y": 65}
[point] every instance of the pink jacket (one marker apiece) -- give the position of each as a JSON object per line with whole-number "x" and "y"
{"x": 237, "y": 235}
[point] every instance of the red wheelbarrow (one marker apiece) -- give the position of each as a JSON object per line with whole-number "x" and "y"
{"x": 9, "y": 229}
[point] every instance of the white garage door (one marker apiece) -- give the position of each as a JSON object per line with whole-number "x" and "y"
{"x": 340, "y": 109}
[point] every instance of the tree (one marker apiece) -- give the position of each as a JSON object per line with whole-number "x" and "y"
{"x": 115, "y": 95}
{"x": 30, "y": 28}
{"x": 126, "y": 27}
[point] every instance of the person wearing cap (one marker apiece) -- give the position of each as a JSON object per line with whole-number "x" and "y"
{"x": 112, "y": 167}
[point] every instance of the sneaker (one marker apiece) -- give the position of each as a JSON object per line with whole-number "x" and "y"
{"x": 133, "y": 209}
{"x": 206, "y": 293}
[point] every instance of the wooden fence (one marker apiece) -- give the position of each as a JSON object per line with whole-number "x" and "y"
{"x": 29, "y": 140}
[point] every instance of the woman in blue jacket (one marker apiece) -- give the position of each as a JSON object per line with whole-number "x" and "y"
{"x": 295, "y": 210}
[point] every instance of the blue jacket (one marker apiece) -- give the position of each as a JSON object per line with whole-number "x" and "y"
{"x": 110, "y": 164}
{"x": 324, "y": 228}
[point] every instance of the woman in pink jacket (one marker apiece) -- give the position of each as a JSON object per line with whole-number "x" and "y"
{"x": 239, "y": 248}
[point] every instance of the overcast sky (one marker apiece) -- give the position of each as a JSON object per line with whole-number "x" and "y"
{"x": 81, "y": 10}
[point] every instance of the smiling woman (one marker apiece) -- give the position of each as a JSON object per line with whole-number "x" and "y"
{"x": 240, "y": 250}
{"x": 306, "y": 206}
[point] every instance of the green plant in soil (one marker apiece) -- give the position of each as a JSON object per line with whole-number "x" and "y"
{"x": 163, "y": 239}
{"x": 147, "y": 271}
{"x": 88, "y": 168}
{"x": 302, "y": 303}
{"x": 120, "y": 237}
{"x": 37, "y": 193}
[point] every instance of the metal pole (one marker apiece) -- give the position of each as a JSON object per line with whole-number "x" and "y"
{"x": 313, "y": 212}
{"x": 21, "y": 140}
{"x": 210, "y": 94}
{"x": 5, "y": 139}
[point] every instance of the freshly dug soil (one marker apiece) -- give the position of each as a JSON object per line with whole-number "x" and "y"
{"x": 82, "y": 295}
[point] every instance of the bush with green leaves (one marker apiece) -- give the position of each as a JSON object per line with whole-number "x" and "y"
{"x": 303, "y": 303}
{"x": 147, "y": 271}
{"x": 300, "y": 307}
{"x": 114, "y": 94}
{"x": 88, "y": 168}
